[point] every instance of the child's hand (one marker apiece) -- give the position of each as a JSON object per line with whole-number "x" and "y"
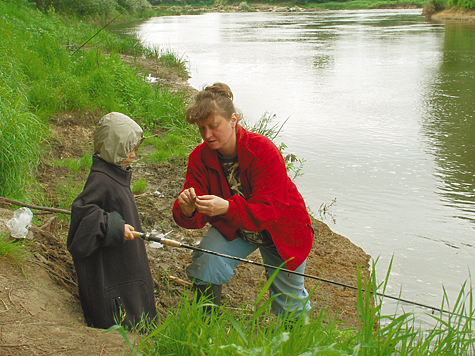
{"x": 128, "y": 232}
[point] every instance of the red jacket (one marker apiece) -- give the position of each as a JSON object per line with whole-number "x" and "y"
{"x": 272, "y": 199}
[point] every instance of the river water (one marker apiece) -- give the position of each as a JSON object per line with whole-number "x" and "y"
{"x": 380, "y": 105}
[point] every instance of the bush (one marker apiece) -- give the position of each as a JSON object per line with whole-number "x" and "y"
{"x": 244, "y": 6}
{"x": 135, "y": 6}
{"x": 432, "y": 7}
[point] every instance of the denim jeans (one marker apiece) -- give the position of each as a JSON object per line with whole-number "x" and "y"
{"x": 287, "y": 287}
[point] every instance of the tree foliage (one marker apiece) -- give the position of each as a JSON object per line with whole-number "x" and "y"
{"x": 107, "y": 7}
{"x": 91, "y": 8}
{"x": 467, "y": 4}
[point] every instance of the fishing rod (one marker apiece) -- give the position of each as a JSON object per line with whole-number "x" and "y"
{"x": 120, "y": 13}
{"x": 160, "y": 239}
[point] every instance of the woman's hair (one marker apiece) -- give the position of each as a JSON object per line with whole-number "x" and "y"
{"x": 216, "y": 99}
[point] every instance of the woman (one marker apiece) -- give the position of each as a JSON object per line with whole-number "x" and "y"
{"x": 237, "y": 181}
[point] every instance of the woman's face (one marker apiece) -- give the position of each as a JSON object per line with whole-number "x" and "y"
{"x": 220, "y": 134}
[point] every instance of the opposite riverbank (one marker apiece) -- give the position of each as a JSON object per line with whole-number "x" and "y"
{"x": 454, "y": 15}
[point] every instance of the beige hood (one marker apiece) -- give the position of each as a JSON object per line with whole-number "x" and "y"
{"x": 115, "y": 137}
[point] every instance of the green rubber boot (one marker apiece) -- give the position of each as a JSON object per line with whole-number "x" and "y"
{"x": 212, "y": 292}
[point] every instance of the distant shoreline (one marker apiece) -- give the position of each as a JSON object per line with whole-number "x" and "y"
{"x": 454, "y": 15}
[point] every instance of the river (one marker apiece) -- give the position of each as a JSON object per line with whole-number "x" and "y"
{"x": 380, "y": 105}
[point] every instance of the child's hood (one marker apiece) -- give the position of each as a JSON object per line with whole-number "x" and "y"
{"x": 116, "y": 135}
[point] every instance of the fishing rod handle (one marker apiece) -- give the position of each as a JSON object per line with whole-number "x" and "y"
{"x": 170, "y": 242}
{"x": 150, "y": 237}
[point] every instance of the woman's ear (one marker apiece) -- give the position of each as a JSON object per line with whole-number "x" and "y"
{"x": 234, "y": 120}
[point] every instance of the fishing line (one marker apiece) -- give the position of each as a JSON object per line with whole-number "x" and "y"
{"x": 120, "y": 13}
{"x": 149, "y": 237}
{"x": 154, "y": 238}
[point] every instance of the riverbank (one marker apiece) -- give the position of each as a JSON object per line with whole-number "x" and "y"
{"x": 284, "y": 7}
{"x": 454, "y": 15}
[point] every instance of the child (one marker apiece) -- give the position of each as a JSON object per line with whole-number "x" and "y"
{"x": 114, "y": 278}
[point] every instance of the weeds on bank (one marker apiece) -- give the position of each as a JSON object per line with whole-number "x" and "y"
{"x": 244, "y": 332}
{"x": 139, "y": 187}
{"x": 20, "y": 131}
{"x": 13, "y": 251}
{"x": 266, "y": 126}
{"x": 258, "y": 332}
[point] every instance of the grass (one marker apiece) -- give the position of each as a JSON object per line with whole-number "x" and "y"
{"x": 12, "y": 251}
{"x": 258, "y": 332}
{"x": 139, "y": 187}
{"x": 76, "y": 165}
{"x": 40, "y": 77}
{"x": 20, "y": 131}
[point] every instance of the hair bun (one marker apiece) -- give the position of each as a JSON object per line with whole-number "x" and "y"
{"x": 220, "y": 89}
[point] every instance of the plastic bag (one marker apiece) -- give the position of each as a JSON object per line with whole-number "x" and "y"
{"x": 20, "y": 223}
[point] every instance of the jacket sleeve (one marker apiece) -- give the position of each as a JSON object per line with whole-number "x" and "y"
{"x": 267, "y": 184}
{"x": 196, "y": 177}
{"x": 91, "y": 228}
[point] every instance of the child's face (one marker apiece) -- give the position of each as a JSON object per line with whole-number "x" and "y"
{"x": 130, "y": 156}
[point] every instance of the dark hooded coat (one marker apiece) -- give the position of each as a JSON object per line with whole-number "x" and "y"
{"x": 114, "y": 278}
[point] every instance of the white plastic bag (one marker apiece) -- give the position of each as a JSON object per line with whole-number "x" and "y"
{"x": 20, "y": 223}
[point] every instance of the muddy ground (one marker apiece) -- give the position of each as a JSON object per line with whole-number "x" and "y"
{"x": 39, "y": 309}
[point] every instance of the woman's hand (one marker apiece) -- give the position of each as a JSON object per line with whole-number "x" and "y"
{"x": 187, "y": 201}
{"x": 211, "y": 205}
{"x": 128, "y": 232}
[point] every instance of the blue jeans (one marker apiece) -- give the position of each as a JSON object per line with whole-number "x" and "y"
{"x": 287, "y": 287}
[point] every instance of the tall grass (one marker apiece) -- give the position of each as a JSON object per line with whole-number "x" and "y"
{"x": 229, "y": 332}
{"x": 20, "y": 131}
{"x": 41, "y": 76}
{"x": 258, "y": 332}
{"x": 60, "y": 80}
